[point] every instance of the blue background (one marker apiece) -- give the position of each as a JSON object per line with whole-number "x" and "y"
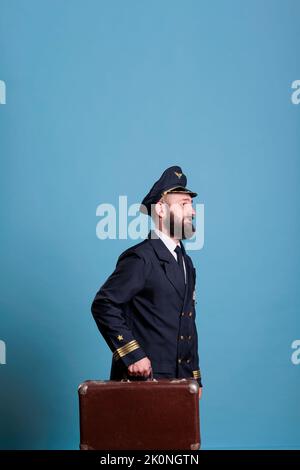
{"x": 101, "y": 98}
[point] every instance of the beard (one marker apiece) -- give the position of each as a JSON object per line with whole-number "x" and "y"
{"x": 181, "y": 229}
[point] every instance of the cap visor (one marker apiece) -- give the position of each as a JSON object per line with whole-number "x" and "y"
{"x": 181, "y": 189}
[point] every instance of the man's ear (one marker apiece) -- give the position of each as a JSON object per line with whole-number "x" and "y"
{"x": 159, "y": 208}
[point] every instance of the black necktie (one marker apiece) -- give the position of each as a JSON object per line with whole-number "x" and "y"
{"x": 178, "y": 251}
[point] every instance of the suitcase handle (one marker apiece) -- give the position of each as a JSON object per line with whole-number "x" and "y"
{"x": 148, "y": 379}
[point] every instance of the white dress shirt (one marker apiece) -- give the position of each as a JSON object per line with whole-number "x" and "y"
{"x": 171, "y": 245}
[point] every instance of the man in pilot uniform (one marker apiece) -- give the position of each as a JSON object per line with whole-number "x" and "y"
{"x": 145, "y": 310}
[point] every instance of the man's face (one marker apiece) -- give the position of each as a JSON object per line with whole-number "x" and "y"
{"x": 178, "y": 217}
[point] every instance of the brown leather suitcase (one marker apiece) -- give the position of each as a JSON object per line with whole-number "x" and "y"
{"x": 139, "y": 415}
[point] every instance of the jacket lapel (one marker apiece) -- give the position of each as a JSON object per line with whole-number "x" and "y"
{"x": 169, "y": 264}
{"x": 189, "y": 274}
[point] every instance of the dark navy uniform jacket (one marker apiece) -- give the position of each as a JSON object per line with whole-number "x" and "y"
{"x": 144, "y": 309}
